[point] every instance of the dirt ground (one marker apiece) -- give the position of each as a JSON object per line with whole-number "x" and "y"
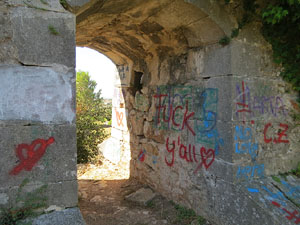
{"x": 102, "y": 191}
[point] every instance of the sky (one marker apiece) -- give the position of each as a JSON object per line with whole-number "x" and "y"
{"x": 100, "y": 68}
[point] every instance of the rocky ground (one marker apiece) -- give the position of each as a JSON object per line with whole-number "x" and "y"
{"x": 108, "y": 197}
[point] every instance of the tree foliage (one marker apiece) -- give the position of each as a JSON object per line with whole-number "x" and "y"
{"x": 92, "y": 113}
{"x": 280, "y": 21}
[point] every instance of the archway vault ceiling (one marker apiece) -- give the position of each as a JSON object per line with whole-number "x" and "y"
{"x": 137, "y": 30}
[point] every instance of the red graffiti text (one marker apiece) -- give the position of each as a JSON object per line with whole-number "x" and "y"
{"x": 291, "y": 215}
{"x": 34, "y": 153}
{"x": 281, "y": 135}
{"x": 189, "y": 154}
{"x": 180, "y": 111}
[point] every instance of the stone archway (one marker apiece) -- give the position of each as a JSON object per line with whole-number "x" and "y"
{"x": 209, "y": 122}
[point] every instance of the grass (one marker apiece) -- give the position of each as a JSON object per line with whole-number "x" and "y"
{"x": 150, "y": 204}
{"x": 53, "y": 30}
{"x": 30, "y": 203}
{"x": 186, "y": 216}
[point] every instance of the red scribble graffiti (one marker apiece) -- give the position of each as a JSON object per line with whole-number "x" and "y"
{"x": 267, "y": 140}
{"x": 172, "y": 114}
{"x": 245, "y": 107}
{"x": 281, "y": 134}
{"x": 34, "y": 153}
{"x": 188, "y": 153}
{"x": 119, "y": 116}
{"x": 142, "y": 155}
{"x": 172, "y": 150}
{"x": 292, "y": 215}
{"x": 206, "y": 156}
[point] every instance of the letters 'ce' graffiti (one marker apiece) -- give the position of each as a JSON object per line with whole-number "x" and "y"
{"x": 33, "y": 153}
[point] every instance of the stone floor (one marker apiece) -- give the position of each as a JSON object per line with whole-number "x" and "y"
{"x": 104, "y": 199}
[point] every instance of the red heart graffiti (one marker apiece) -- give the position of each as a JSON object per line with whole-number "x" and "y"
{"x": 206, "y": 156}
{"x": 119, "y": 116}
{"x": 33, "y": 153}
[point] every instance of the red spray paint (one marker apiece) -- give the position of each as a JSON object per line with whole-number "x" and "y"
{"x": 34, "y": 153}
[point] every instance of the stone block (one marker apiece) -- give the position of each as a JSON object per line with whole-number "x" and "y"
{"x": 53, "y": 159}
{"x": 8, "y": 52}
{"x": 37, "y": 94}
{"x": 76, "y": 4}
{"x": 153, "y": 133}
{"x": 250, "y": 60}
{"x": 141, "y": 102}
{"x": 141, "y": 196}
{"x": 118, "y": 98}
{"x": 216, "y": 61}
{"x": 44, "y": 37}
{"x": 124, "y": 77}
{"x": 223, "y": 87}
{"x": 136, "y": 122}
{"x": 71, "y": 216}
{"x": 46, "y": 5}
{"x": 111, "y": 149}
{"x": 58, "y": 195}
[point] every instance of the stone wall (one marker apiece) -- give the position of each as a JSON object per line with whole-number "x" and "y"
{"x": 208, "y": 125}
{"x": 37, "y": 105}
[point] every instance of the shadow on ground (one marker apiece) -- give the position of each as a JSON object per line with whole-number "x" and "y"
{"x": 104, "y": 202}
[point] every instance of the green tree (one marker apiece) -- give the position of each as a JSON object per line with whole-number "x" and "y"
{"x": 91, "y": 114}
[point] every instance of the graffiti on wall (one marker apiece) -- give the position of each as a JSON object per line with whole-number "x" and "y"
{"x": 280, "y": 137}
{"x": 29, "y": 155}
{"x": 279, "y": 199}
{"x": 119, "y": 117}
{"x": 194, "y": 111}
{"x": 118, "y": 98}
{"x": 123, "y": 71}
{"x": 189, "y": 153}
{"x": 189, "y": 108}
{"x": 249, "y": 106}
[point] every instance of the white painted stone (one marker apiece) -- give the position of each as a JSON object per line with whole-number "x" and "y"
{"x": 36, "y": 94}
{"x": 53, "y": 208}
{"x": 111, "y": 149}
{"x": 3, "y": 198}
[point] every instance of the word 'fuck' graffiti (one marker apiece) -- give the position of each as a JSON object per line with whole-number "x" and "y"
{"x": 33, "y": 153}
{"x": 189, "y": 108}
{"x": 189, "y": 154}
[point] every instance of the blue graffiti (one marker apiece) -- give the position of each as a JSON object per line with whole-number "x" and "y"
{"x": 253, "y": 190}
{"x": 207, "y": 131}
{"x": 250, "y": 172}
{"x": 278, "y": 196}
{"x": 154, "y": 159}
{"x": 245, "y": 135}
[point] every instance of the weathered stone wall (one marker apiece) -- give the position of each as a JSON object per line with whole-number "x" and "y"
{"x": 208, "y": 125}
{"x": 37, "y": 105}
